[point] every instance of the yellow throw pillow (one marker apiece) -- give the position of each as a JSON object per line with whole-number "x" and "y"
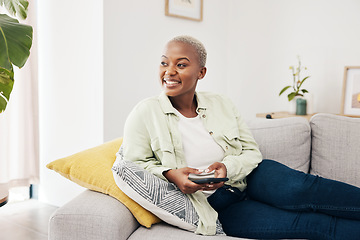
{"x": 92, "y": 169}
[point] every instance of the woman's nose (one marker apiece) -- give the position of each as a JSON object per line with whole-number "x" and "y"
{"x": 170, "y": 71}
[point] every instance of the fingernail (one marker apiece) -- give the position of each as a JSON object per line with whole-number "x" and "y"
{"x": 206, "y": 170}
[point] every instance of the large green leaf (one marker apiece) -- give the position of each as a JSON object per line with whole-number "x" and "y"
{"x": 3, "y": 103}
{"x": 16, "y": 7}
{"x": 6, "y": 86}
{"x": 17, "y": 39}
{"x": 15, "y": 44}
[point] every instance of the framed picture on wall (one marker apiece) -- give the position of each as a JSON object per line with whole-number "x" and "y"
{"x": 351, "y": 92}
{"x": 188, "y": 9}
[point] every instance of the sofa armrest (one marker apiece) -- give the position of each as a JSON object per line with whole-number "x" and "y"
{"x": 92, "y": 215}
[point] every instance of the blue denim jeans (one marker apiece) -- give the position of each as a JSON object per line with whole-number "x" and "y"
{"x": 280, "y": 202}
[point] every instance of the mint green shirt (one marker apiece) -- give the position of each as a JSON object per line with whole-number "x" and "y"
{"x": 152, "y": 140}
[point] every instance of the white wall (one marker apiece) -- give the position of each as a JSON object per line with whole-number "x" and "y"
{"x": 250, "y": 44}
{"x": 267, "y": 36}
{"x": 135, "y": 33}
{"x": 70, "y": 87}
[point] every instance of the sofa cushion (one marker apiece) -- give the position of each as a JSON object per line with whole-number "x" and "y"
{"x": 336, "y": 148}
{"x": 165, "y": 231}
{"x": 92, "y": 216}
{"x": 285, "y": 140}
{"x": 91, "y": 169}
{"x": 160, "y": 197}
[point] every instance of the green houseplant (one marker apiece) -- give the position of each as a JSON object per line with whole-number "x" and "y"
{"x": 15, "y": 44}
{"x": 297, "y": 89}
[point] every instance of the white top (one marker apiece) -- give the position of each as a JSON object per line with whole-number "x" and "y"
{"x": 200, "y": 149}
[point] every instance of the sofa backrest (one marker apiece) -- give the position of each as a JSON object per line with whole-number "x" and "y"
{"x": 336, "y": 147}
{"x": 285, "y": 140}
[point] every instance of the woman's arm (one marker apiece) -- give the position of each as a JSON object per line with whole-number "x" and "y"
{"x": 137, "y": 143}
{"x": 238, "y": 167}
{"x": 137, "y": 148}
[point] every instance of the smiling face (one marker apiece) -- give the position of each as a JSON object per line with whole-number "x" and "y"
{"x": 180, "y": 70}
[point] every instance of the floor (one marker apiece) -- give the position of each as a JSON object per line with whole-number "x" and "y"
{"x": 25, "y": 220}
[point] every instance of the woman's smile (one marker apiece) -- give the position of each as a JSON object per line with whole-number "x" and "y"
{"x": 171, "y": 83}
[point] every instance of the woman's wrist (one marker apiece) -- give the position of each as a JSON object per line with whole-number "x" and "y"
{"x": 166, "y": 174}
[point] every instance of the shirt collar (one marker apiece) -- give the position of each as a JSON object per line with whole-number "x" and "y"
{"x": 168, "y": 108}
{"x": 201, "y": 102}
{"x": 166, "y": 104}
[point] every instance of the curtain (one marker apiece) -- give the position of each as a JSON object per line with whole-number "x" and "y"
{"x": 19, "y": 128}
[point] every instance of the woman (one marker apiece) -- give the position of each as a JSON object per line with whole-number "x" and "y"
{"x": 183, "y": 133}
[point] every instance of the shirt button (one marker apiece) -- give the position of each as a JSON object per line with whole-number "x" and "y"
{"x": 226, "y": 147}
{"x": 203, "y": 116}
{"x": 211, "y": 133}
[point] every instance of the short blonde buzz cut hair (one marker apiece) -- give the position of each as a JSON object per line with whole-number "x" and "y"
{"x": 199, "y": 47}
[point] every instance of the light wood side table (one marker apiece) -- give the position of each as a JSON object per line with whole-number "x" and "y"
{"x": 3, "y": 201}
{"x": 276, "y": 115}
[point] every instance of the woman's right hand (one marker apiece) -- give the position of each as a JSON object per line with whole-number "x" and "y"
{"x": 181, "y": 178}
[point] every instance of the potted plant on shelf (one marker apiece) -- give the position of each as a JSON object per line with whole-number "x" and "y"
{"x": 15, "y": 44}
{"x": 297, "y": 91}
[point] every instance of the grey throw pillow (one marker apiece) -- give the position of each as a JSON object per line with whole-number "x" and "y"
{"x": 161, "y": 198}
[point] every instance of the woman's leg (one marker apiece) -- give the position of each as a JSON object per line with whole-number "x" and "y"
{"x": 278, "y": 185}
{"x": 251, "y": 219}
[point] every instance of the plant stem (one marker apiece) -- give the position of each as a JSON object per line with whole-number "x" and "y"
{"x": 294, "y": 78}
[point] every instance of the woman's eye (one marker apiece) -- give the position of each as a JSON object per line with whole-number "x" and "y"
{"x": 163, "y": 64}
{"x": 181, "y": 65}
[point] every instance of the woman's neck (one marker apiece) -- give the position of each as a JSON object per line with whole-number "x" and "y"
{"x": 187, "y": 107}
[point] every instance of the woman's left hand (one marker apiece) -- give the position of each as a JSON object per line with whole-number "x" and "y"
{"x": 220, "y": 172}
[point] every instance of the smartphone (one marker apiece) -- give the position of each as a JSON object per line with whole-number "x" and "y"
{"x": 209, "y": 180}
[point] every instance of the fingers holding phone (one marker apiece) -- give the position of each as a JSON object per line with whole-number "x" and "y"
{"x": 219, "y": 169}
{"x": 209, "y": 178}
{"x": 180, "y": 178}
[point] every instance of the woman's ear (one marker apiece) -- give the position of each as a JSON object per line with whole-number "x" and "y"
{"x": 202, "y": 73}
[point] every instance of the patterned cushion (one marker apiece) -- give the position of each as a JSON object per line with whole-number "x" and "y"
{"x": 161, "y": 198}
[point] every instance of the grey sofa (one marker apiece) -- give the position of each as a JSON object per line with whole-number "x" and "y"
{"x": 327, "y": 146}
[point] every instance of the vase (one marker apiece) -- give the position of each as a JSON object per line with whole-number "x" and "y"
{"x": 300, "y": 106}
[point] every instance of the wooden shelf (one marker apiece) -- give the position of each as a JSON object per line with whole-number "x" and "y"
{"x": 3, "y": 201}
{"x": 276, "y": 115}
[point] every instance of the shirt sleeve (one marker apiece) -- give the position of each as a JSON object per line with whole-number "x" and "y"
{"x": 137, "y": 143}
{"x": 239, "y": 166}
